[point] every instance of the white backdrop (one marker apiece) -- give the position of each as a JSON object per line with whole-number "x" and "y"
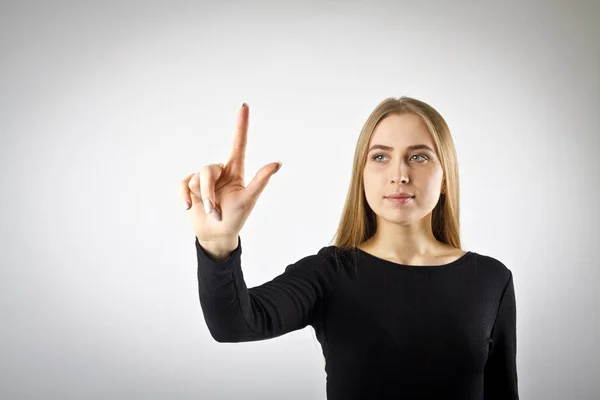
{"x": 105, "y": 107}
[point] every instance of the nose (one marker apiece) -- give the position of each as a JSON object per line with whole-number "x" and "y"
{"x": 401, "y": 174}
{"x": 402, "y": 179}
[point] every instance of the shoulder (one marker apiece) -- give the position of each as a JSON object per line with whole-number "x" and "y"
{"x": 324, "y": 259}
{"x": 493, "y": 269}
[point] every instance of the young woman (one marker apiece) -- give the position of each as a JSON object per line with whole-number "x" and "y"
{"x": 400, "y": 310}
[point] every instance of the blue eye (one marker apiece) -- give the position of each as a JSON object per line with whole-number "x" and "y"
{"x": 419, "y": 155}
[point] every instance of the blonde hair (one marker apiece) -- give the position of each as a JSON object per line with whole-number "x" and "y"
{"x": 358, "y": 222}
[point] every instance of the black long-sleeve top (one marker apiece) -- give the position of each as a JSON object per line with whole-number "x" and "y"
{"x": 387, "y": 330}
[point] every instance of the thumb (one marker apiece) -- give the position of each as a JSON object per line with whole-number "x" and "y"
{"x": 260, "y": 180}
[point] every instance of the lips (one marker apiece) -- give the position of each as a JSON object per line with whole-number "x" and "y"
{"x": 400, "y": 200}
{"x": 401, "y": 197}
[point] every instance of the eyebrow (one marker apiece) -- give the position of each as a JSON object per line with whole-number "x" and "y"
{"x": 388, "y": 148}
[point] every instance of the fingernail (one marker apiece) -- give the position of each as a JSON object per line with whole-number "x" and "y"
{"x": 279, "y": 166}
{"x": 207, "y": 206}
{"x": 186, "y": 204}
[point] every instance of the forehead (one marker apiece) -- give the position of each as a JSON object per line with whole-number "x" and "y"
{"x": 401, "y": 131}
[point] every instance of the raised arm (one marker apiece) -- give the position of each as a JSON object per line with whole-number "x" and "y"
{"x": 290, "y": 301}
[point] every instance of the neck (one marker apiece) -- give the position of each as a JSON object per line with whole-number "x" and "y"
{"x": 405, "y": 242}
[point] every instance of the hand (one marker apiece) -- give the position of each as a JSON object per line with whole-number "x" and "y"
{"x": 219, "y": 189}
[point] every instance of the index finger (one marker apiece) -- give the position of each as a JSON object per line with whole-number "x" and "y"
{"x": 238, "y": 151}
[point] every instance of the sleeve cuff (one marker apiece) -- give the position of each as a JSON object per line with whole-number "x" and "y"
{"x": 229, "y": 261}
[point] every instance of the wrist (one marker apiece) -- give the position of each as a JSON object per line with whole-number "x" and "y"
{"x": 220, "y": 250}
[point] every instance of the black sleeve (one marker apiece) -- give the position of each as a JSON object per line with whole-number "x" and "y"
{"x": 290, "y": 301}
{"x": 500, "y": 375}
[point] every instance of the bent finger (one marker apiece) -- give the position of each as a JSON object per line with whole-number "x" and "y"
{"x": 184, "y": 192}
{"x": 209, "y": 175}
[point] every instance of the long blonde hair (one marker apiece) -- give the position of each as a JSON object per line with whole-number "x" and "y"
{"x": 358, "y": 222}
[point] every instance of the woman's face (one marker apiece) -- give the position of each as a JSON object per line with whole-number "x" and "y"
{"x": 399, "y": 168}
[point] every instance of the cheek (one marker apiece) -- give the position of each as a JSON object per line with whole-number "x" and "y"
{"x": 373, "y": 190}
{"x": 372, "y": 182}
{"x": 373, "y": 177}
{"x": 369, "y": 187}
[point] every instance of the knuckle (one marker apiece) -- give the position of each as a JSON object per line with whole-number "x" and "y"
{"x": 207, "y": 174}
{"x": 184, "y": 189}
{"x": 184, "y": 182}
{"x": 193, "y": 184}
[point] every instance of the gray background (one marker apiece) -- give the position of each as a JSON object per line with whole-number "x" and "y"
{"x": 105, "y": 107}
